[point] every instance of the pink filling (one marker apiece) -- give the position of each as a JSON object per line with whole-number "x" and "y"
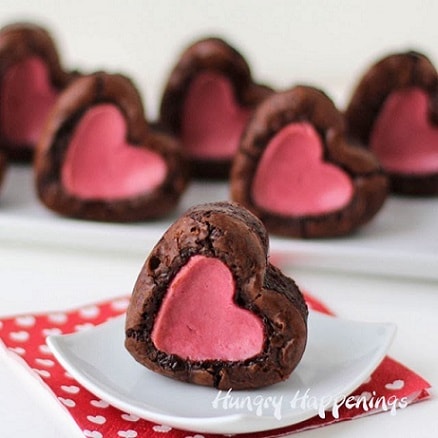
{"x": 292, "y": 179}
{"x": 403, "y": 138}
{"x": 212, "y": 121}
{"x": 100, "y": 163}
{"x": 26, "y": 99}
{"x": 198, "y": 319}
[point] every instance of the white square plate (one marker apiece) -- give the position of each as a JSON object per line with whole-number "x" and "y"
{"x": 340, "y": 355}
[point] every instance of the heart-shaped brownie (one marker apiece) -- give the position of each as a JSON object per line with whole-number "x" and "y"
{"x": 394, "y": 112}
{"x": 31, "y": 77}
{"x": 298, "y": 174}
{"x": 209, "y": 308}
{"x": 207, "y": 101}
{"x": 98, "y": 158}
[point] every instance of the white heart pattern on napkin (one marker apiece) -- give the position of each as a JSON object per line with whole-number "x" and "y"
{"x": 395, "y": 385}
{"x": 67, "y": 402}
{"x": 20, "y": 336}
{"x": 130, "y": 417}
{"x": 127, "y": 433}
{"x": 71, "y": 389}
{"x": 25, "y": 321}
{"x": 96, "y": 419}
{"x": 99, "y": 404}
{"x": 161, "y": 428}
{"x": 92, "y": 434}
{"x": 45, "y": 362}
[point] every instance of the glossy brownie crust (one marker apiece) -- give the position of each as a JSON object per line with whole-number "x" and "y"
{"x": 18, "y": 42}
{"x": 230, "y": 233}
{"x": 301, "y": 104}
{"x": 83, "y": 93}
{"x": 211, "y": 54}
{"x": 392, "y": 73}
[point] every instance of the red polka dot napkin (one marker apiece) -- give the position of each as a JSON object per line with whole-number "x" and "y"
{"x": 392, "y": 386}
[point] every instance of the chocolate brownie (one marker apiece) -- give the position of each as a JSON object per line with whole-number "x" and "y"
{"x": 207, "y": 101}
{"x": 394, "y": 112}
{"x": 98, "y": 159}
{"x": 297, "y": 172}
{"x": 31, "y": 77}
{"x": 256, "y": 338}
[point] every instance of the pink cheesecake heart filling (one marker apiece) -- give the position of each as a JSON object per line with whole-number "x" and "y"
{"x": 402, "y": 137}
{"x": 198, "y": 319}
{"x": 99, "y": 163}
{"x": 292, "y": 178}
{"x": 212, "y": 121}
{"x": 27, "y": 96}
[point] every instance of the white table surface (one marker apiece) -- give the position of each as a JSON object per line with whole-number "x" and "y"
{"x": 47, "y": 263}
{"x": 40, "y": 279}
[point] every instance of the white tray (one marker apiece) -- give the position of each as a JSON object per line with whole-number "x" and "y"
{"x": 401, "y": 240}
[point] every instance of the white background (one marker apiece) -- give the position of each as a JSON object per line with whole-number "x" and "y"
{"x": 324, "y": 43}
